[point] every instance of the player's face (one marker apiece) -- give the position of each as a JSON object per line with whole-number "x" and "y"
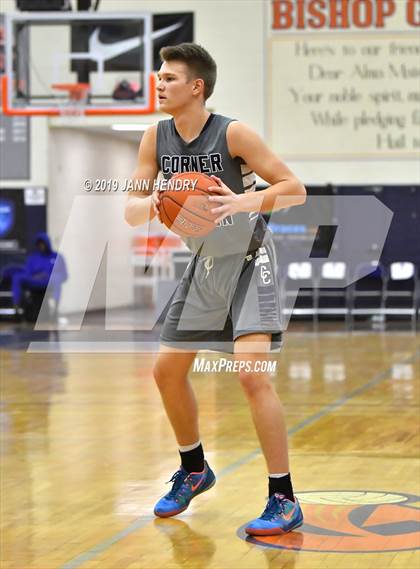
{"x": 175, "y": 89}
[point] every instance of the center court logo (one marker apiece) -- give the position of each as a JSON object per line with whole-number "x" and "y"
{"x": 352, "y": 522}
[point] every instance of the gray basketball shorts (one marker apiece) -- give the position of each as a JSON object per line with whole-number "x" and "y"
{"x": 220, "y": 299}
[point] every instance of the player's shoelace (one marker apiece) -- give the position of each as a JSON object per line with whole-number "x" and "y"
{"x": 272, "y": 509}
{"x": 178, "y": 479}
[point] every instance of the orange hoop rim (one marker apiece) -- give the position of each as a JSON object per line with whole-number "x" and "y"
{"x": 76, "y": 90}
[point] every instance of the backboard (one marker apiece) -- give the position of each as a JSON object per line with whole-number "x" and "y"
{"x": 109, "y": 52}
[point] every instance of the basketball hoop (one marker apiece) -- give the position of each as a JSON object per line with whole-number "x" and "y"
{"x": 76, "y": 103}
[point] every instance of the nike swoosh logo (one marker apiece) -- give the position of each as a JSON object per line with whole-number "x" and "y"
{"x": 195, "y": 486}
{"x": 289, "y": 515}
{"x": 105, "y": 51}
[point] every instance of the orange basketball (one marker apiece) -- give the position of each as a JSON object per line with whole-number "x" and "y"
{"x": 185, "y": 208}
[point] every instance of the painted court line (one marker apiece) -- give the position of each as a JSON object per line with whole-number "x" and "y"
{"x": 144, "y": 520}
{"x": 101, "y": 547}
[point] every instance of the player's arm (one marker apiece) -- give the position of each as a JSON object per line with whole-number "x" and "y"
{"x": 139, "y": 208}
{"x": 285, "y": 189}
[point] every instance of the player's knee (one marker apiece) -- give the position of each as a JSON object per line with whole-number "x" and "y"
{"x": 254, "y": 383}
{"x": 161, "y": 374}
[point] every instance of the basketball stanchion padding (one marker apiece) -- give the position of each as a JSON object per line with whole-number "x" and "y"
{"x": 8, "y": 109}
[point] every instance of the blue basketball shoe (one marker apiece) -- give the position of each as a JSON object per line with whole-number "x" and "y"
{"x": 280, "y": 516}
{"x": 185, "y": 487}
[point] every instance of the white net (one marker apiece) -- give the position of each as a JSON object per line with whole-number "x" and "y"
{"x": 74, "y": 105}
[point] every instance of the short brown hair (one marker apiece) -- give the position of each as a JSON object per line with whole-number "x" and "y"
{"x": 197, "y": 59}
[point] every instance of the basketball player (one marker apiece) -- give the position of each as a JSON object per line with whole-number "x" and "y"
{"x": 229, "y": 292}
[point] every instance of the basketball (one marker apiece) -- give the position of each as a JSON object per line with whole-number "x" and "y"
{"x": 185, "y": 209}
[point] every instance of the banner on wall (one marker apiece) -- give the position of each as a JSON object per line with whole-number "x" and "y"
{"x": 345, "y": 79}
{"x": 14, "y": 134}
{"x": 23, "y": 214}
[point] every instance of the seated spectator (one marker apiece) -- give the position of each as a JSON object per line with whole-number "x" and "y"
{"x": 37, "y": 272}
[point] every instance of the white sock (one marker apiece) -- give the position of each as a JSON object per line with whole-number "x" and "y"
{"x": 278, "y": 474}
{"x": 189, "y": 447}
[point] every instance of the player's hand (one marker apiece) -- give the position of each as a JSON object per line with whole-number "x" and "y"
{"x": 156, "y": 202}
{"x": 230, "y": 202}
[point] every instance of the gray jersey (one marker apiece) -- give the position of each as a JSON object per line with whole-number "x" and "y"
{"x": 208, "y": 153}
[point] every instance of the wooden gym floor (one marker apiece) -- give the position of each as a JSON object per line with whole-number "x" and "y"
{"x": 86, "y": 449}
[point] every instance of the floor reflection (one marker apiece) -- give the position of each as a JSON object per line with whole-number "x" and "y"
{"x": 188, "y": 546}
{"x": 280, "y": 551}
